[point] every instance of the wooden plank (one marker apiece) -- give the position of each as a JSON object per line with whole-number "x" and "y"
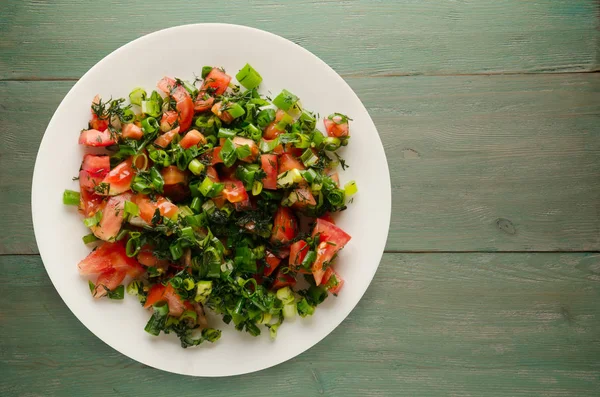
{"x": 477, "y": 163}
{"x": 430, "y": 324}
{"x": 354, "y": 37}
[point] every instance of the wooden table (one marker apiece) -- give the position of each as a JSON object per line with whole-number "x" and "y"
{"x": 490, "y": 116}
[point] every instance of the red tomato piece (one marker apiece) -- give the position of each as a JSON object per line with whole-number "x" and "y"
{"x": 327, "y": 217}
{"x": 112, "y": 217}
{"x": 185, "y": 107}
{"x": 215, "y": 157}
{"x": 278, "y": 149}
{"x": 168, "y": 120}
{"x": 332, "y": 239}
{"x": 283, "y": 280}
{"x": 202, "y": 103}
{"x": 118, "y": 179}
{"x": 110, "y": 279}
{"x": 239, "y": 142}
{"x": 271, "y": 263}
{"x": 96, "y": 138}
{"x": 224, "y": 116}
{"x": 336, "y": 130}
{"x": 294, "y": 151}
{"x": 147, "y": 258}
{"x": 98, "y": 124}
{"x": 109, "y": 256}
{"x": 93, "y": 171}
{"x": 166, "y": 84}
{"x": 333, "y": 285}
{"x": 89, "y": 202}
{"x": 176, "y": 306}
{"x": 304, "y": 197}
{"x": 192, "y": 138}
{"x": 155, "y": 295}
{"x": 131, "y": 131}
{"x": 212, "y": 174}
{"x": 270, "y": 167}
{"x": 216, "y": 82}
{"x": 272, "y": 130}
{"x": 288, "y": 162}
{"x": 285, "y": 227}
{"x": 148, "y": 207}
{"x": 298, "y": 252}
{"x": 234, "y": 191}
{"x": 172, "y": 175}
{"x": 165, "y": 139}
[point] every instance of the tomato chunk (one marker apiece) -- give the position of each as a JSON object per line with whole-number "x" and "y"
{"x": 109, "y": 256}
{"x": 288, "y": 162}
{"x": 118, "y": 179}
{"x": 331, "y": 240}
{"x": 165, "y": 139}
{"x": 168, "y": 120}
{"x": 161, "y": 293}
{"x": 270, "y": 167}
{"x": 172, "y": 175}
{"x": 148, "y": 207}
{"x": 272, "y": 130}
{"x": 93, "y": 171}
{"x": 131, "y": 131}
{"x": 304, "y": 197}
{"x": 332, "y": 281}
{"x": 203, "y": 102}
{"x": 112, "y": 217}
{"x": 239, "y": 142}
{"x": 285, "y": 227}
{"x": 155, "y": 295}
{"x": 192, "y": 138}
{"x": 234, "y": 191}
{"x": 216, "y": 82}
{"x": 185, "y": 107}
{"x": 298, "y": 252}
{"x": 283, "y": 280}
{"x": 96, "y": 138}
{"x": 336, "y": 127}
{"x": 271, "y": 263}
{"x": 223, "y": 115}
{"x": 110, "y": 279}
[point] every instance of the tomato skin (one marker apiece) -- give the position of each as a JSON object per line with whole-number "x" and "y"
{"x": 298, "y": 252}
{"x": 112, "y": 217}
{"x": 110, "y": 279}
{"x": 239, "y": 141}
{"x": 285, "y": 227}
{"x": 288, "y": 162}
{"x": 155, "y": 294}
{"x": 282, "y": 280}
{"x": 270, "y": 167}
{"x": 96, "y": 138}
{"x": 332, "y": 239}
{"x": 201, "y": 104}
{"x": 336, "y": 288}
{"x": 168, "y": 120}
{"x": 272, "y": 131}
{"x": 165, "y": 139}
{"x": 119, "y": 179}
{"x": 192, "y": 138}
{"x": 93, "y": 171}
{"x": 131, "y": 131}
{"x": 294, "y": 151}
{"x": 336, "y": 130}
{"x": 271, "y": 263}
{"x": 304, "y": 197}
{"x": 216, "y": 82}
{"x": 148, "y": 207}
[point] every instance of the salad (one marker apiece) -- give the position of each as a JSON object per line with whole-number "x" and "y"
{"x": 211, "y": 196}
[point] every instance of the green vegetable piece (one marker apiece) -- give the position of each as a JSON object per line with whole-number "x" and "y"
{"x": 228, "y": 153}
{"x": 248, "y": 77}
{"x": 285, "y": 100}
{"x": 206, "y": 70}
{"x": 131, "y": 208}
{"x": 137, "y": 96}
{"x": 71, "y": 197}
{"x": 235, "y": 110}
{"x": 350, "y": 188}
{"x": 89, "y": 238}
{"x": 196, "y": 167}
{"x": 203, "y": 291}
{"x": 93, "y": 220}
{"x": 151, "y": 108}
{"x": 265, "y": 117}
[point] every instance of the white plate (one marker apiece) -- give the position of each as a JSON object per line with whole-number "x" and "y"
{"x": 182, "y": 51}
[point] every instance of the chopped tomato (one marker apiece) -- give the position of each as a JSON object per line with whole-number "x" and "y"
{"x": 89, "y": 202}
{"x": 283, "y": 280}
{"x": 336, "y": 178}
{"x": 174, "y": 301}
{"x": 223, "y": 115}
{"x": 148, "y": 207}
{"x": 271, "y": 263}
{"x": 185, "y": 107}
{"x": 288, "y": 162}
{"x": 234, "y": 191}
{"x": 298, "y": 251}
{"x": 332, "y": 239}
{"x": 333, "y": 285}
{"x": 93, "y": 171}
{"x": 98, "y": 124}
{"x": 155, "y": 295}
{"x": 192, "y": 138}
{"x": 166, "y": 84}
{"x": 110, "y": 279}
{"x": 112, "y": 217}
{"x": 278, "y": 149}
{"x": 165, "y": 139}
{"x": 212, "y": 174}
{"x": 216, "y": 158}
{"x": 239, "y": 142}
{"x": 147, "y": 258}
{"x": 294, "y": 151}
{"x": 172, "y": 175}
{"x": 285, "y": 227}
{"x": 108, "y": 256}
{"x": 202, "y": 104}
{"x": 131, "y": 131}
{"x": 118, "y": 179}
{"x": 334, "y": 129}
{"x": 327, "y": 217}
{"x": 96, "y": 138}
{"x": 168, "y": 120}
{"x": 304, "y": 197}
{"x": 272, "y": 131}
{"x": 216, "y": 82}
{"x": 269, "y": 166}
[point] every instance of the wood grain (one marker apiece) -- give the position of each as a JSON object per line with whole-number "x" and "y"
{"x": 64, "y": 38}
{"x": 430, "y": 324}
{"x": 477, "y": 162}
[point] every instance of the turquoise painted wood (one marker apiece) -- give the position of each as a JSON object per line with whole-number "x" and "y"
{"x": 429, "y": 325}
{"x": 491, "y": 148}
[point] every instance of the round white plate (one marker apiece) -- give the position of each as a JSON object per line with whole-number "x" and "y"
{"x": 182, "y": 51}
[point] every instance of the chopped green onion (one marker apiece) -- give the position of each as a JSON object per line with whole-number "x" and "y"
{"x": 134, "y": 287}
{"x": 117, "y": 293}
{"x": 157, "y": 179}
{"x": 289, "y": 311}
{"x": 308, "y": 121}
{"x": 203, "y": 291}
{"x": 243, "y": 151}
{"x": 131, "y": 208}
{"x": 317, "y": 138}
{"x": 257, "y": 187}
{"x": 267, "y": 147}
{"x": 248, "y": 77}
{"x": 309, "y": 175}
{"x": 285, "y": 121}
{"x": 188, "y": 284}
{"x": 137, "y": 96}
{"x": 189, "y": 87}
{"x": 196, "y": 204}
{"x": 158, "y": 319}
{"x": 226, "y": 133}
{"x": 196, "y": 167}
{"x": 254, "y": 132}
{"x": 285, "y": 100}
{"x": 209, "y": 207}
{"x": 235, "y": 110}
{"x": 308, "y": 260}
{"x": 144, "y": 159}
{"x": 228, "y": 153}
{"x": 188, "y": 232}
{"x": 350, "y": 188}
{"x": 93, "y": 220}
{"x": 206, "y": 186}
{"x": 71, "y": 197}
{"x": 89, "y": 238}
{"x": 309, "y": 158}
{"x": 303, "y": 141}
{"x": 176, "y": 251}
{"x": 288, "y": 178}
{"x": 336, "y": 197}
{"x": 331, "y": 144}
{"x": 285, "y": 295}
{"x": 150, "y": 125}
{"x": 265, "y": 318}
{"x": 151, "y": 108}
{"x": 265, "y": 117}
{"x": 206, "y": 70}
{"x": 305, "y": 309}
